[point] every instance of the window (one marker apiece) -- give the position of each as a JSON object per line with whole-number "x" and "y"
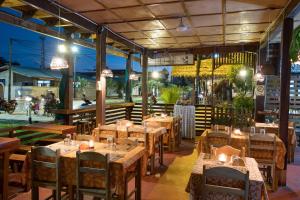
{"x": 42, "y": 83}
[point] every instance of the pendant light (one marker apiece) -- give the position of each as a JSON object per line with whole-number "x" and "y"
{"x": 259, "y": 77}
{"x": 133, "y": 76}
{"x": 58, "y": 61}
{"x": 181, "y": 27}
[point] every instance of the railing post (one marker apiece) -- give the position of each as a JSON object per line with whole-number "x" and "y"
{"x": 100, "y": 80}
{"x": 144, "y": 83}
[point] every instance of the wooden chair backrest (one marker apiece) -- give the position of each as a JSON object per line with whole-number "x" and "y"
{"x": 218, "y": 138}
{"x": 228, "y": 173}
{"x": 48, "y": 159}
{"x": 146, "y": 117}
{"x": 83, "y": 137}
{"x": 98, "y": 164}
{"x": 124, "y": 141}
{"x": 153, "y": 124}
{"x": 260, "y": 143}
{"x": 228, "y": 150}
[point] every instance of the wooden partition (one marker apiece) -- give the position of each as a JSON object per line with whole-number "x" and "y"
{"x": 202, "y": 112}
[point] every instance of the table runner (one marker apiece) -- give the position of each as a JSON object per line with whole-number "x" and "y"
{"x": 256, "y": 185}
{"x": 187, "y": 114}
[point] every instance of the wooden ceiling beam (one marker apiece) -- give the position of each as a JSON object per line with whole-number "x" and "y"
{"x": 120, "y": 39}
{"x": 178, "y": 17}
{"x": 64, "y": 13}
{"x": 13, "y": 20}
{"x": 206, "y": 50}
{"x": 1, "y": 2}
{"x": 290, "y": 10}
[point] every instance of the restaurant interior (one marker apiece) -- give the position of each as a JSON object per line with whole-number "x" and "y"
{"x": 233, "y": 134}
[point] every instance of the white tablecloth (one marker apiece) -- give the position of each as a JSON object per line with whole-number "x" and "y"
{"x": 187, "y": 113}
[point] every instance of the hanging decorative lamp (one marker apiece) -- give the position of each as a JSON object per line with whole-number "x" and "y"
{"x": 107, "y": 73}
{"x": 58, "y": 61}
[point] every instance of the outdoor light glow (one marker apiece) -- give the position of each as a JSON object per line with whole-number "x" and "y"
{"x": 216, "y": 55}
{"x": 155, "y": 74}
{"x": 28, "y": 98}
{"x": 243, "y": 73}
{"x": 74, "y": 49}
{"x": 62, "y": 48}
{"x": 58, "y": 63}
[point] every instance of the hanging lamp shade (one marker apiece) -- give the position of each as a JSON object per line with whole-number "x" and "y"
{"x": 181, "y": 27}
{"x": 58, "y": 62}
{"x": 107, "y": 73}
{"x": 133, "y": 76}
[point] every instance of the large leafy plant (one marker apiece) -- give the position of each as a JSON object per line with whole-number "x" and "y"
{"x": 170, "y": 95}
{"x": 295, "y": 45}
{"x": 243, "y": 85}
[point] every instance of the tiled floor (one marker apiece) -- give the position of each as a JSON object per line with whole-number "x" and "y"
{"x": 170, "y": 183}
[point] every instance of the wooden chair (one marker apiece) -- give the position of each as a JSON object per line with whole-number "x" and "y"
{"x": 41, "y": 159}
{"x": 291, "y": 145}
{"x": 146, "y": 117}
{"x": 217, "y": 139}
{"x": 85, "y": 137}
{"x": 104, "y": 134}
{"x": 82, "y": 169}
{"x": 259, "y": 145}
{"x": 228, "y": 150}
{"x": 228, "y": 173}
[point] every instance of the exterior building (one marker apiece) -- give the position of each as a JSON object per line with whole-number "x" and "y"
{"x": 29, "y": 82}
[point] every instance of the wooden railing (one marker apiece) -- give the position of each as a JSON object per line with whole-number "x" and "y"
{"x": 113, "y": 112}
{"x": 202, "y": 114}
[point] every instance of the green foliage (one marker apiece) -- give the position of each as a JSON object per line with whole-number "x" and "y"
{"x": 243, "y": 85}
{"x": 170, "y": 95}
{"x": 242, "y": 102}
{"x": 295, "y": 45}
{"x": 83, "y": 83}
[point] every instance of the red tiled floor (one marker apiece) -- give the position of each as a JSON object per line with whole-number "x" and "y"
{"x": 171, "y": 183}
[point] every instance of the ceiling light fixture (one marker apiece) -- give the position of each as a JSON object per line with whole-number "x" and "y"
{"x": 181, "y": 27}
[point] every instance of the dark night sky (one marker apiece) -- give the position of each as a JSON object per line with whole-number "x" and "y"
{"x": 26, "y": 50}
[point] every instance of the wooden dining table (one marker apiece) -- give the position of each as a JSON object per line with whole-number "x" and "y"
{"x": 155, "y": 136}
{"x": 122, "y": 162}
{"x": 256, "y": 182}
{"x": 168, "y": 123}
{"x": 239, "y": 141}
{"x": 6, "y": 146}
{"x": 50, "y": 128}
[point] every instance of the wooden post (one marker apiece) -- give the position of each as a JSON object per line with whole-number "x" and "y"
{"x": 68, "y": 101}
{"x": 197, "y": 78}
{"x": 285, "y": 66}
{"x": 100, "y": 80}
{"x": 128, "y": 97}
{"x": 144, "y": 83}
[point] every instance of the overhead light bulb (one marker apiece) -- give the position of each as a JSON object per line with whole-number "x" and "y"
{"x": 182, "y": 27}
{"x": 155, "y": 74}
{"x": 243, "y": 73}
{"x": 74, "y": 49}
{"x": 62, "y": 48}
